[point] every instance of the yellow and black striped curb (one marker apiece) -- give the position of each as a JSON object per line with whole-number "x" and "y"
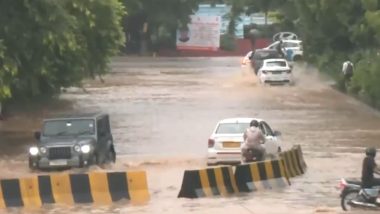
{"x": 246, "y": 178}
{"x": 261, "y": 175}
{"x": 95, "y": 187}
{"x": 208, "y": 182}
{"x": 294, "y": 162}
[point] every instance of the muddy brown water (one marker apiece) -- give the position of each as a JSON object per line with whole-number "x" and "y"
{"x": 164, "y": 109}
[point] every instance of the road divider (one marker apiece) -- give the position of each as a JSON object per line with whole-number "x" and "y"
{"x": 95, "y": 187}
{"x": 261, "y": 175}
{"x": 106, "y": 187}
{"x": 294, "y": 162}
{"x": 208, "y": 182}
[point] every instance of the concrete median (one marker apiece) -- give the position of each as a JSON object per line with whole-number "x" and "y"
{"x": 261, "y": 175}
{"x": 294, "y": 162}
{"x": 208, "y": 182}
{"x": 95, "y": 187}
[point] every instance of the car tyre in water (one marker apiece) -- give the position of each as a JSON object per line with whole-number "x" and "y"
{"x": 112, "y": 155}
{"x": 95, "y": 159}
{"x": 348, "y": 196}
{"x": 291, "y": 83}
{"x": 31, "y": 165}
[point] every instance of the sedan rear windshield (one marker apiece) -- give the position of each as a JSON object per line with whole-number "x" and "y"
{"x": 232, "y": 128}
{"x": 69, "y": 127}
{"x": 266, "y": 55}
{"x": 276, "y": 63}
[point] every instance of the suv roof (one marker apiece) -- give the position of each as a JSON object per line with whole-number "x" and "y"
{"x": 92, "y": 115}
{"x": 292, "y": 40}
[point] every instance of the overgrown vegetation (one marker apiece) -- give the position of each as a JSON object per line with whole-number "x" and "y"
{"x": 337, "y": 30}
{"x": 49, "y": 44}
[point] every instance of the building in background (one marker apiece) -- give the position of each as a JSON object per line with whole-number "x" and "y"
{"x": 203, "y": 33}
{"x": 210, "y": 22}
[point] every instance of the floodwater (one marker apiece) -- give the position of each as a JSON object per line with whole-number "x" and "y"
{"x": 164, "y": 109}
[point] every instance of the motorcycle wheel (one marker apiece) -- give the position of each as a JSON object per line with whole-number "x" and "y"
{"x": 347, "y": 197}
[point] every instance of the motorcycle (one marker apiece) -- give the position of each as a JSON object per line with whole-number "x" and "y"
{"x": 353, "y": 196}
{"x": 252, "y": 155}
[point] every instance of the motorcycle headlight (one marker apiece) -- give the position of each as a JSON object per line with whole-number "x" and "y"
{"x": 85, "y": 148}
{"x": 77, "y": 148}
{"x": 43, "y": 150}
{"x": 33, "y": 151}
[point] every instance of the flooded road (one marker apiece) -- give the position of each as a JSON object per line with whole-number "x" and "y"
{"x": 164, "y": 109}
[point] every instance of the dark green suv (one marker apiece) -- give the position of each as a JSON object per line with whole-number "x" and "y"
{"x": 73, "y": 141}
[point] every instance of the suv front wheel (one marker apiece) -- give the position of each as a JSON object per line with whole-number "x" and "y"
{"x": 111, "y": 156}
{"x": 32, "y": 164}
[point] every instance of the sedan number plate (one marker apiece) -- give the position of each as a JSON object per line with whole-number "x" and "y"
{"x": 231, "y": 144}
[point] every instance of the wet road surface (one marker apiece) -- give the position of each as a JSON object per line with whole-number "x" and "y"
{"x": 164, "y": 109}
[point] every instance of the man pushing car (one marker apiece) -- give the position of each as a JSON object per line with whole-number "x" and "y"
{"x": 252, "y": 149}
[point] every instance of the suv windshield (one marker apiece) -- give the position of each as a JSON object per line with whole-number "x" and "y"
{"x": 232, "y": 128}
{"x": 69, "y": 127}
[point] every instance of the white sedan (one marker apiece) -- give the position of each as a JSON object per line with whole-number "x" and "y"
{"x": 224, "y": 144}
{"x": 275, "y": 71}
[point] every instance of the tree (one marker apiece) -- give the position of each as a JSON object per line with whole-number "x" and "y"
{"x": 49, "y": 44}
{"x": 262, "y": 6}
{"x": 161, "y": 18}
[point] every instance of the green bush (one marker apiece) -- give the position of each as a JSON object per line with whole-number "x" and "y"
{"x": 227, "y": 42}
{"x": 366, "y": 79}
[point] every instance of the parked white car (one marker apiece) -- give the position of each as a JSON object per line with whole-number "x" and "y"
{"x": 275, "y": 71}
{"x": 225, "y": 142}
{"x": 294, "y": 46}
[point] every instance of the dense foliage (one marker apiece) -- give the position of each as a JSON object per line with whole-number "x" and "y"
{"x": 151, "y": 24}
{"x": 336, "y": 30}
{"x": 49, "y": 44}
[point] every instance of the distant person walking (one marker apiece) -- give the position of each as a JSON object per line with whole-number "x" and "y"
{"x": 348, "y": 72}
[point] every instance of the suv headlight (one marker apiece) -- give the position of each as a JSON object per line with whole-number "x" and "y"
{"x": 85, "y": 148}
{"x": 33, "y": 151}
{"x": 43, "y": 150}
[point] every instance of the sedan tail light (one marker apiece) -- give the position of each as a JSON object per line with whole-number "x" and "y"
{"x": 211, "y": 143}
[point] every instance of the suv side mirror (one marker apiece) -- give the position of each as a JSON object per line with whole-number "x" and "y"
{"x": 37, "y": 135}
{"x": 277, "y": 133}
